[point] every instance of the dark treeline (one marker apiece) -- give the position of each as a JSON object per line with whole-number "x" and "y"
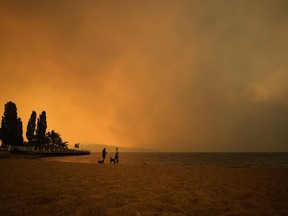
{"x": 11, "y": 131}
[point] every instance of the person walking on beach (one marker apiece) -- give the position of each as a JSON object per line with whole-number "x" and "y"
{"x": 104, "y": 153}
{"x": 117, "y": 155}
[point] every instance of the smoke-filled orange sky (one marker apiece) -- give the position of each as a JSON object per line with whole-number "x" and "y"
{"x": 183, "y": 75}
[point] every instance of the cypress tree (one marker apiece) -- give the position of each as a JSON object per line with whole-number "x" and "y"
{"x": 41, "y": 128}
{"x": 19, "y": 132}
{"x": 31, "y": 126}
{"x": 11, "y": 126}
{"x": 1, "y": 136}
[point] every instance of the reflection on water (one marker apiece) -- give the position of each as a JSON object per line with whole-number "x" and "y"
{"x": 206, "y": 159}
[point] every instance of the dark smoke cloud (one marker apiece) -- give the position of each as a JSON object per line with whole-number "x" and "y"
{"x": 169, "y": 75}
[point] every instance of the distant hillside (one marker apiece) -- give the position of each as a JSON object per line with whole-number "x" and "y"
{"x": 111, "y": 148}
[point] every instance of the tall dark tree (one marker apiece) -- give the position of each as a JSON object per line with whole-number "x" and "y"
{"x": 19, "y": 132}
{"x": 41, "y": 129}
{"x": 0, "y": 135}
{"x": 11, "y": 126}
{"x": 31, "y": 126}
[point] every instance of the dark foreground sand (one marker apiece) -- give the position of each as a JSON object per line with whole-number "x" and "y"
{"x": 37, "y": 187}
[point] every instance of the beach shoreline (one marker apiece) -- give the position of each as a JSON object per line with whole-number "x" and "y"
{"x": 35, "y": 186}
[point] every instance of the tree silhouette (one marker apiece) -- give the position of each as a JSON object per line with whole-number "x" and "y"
{"x": 31, "y": 126}
{"x": 0, "y": 135}
{"x": 11, "y": 130}
{"x": 55, "y": 140}
{"x": 11, "y": 126}
{"x": 19, "y": 132}
{"x": 41, "y": 129}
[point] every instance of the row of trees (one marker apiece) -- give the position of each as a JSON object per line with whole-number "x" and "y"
{"x": 11, "y": 131}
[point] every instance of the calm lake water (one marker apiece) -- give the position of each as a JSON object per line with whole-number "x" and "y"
{"x": 273, "y": 160}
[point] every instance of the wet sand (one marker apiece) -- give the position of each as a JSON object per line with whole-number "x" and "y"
{"x": 37, "y": 187}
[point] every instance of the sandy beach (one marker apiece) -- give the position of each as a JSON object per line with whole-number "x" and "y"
{"x": 37, "y": 187}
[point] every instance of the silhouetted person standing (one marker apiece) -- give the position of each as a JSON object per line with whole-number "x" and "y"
{"x": 104, "y": 153}
{"x": 117, "y": 155}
